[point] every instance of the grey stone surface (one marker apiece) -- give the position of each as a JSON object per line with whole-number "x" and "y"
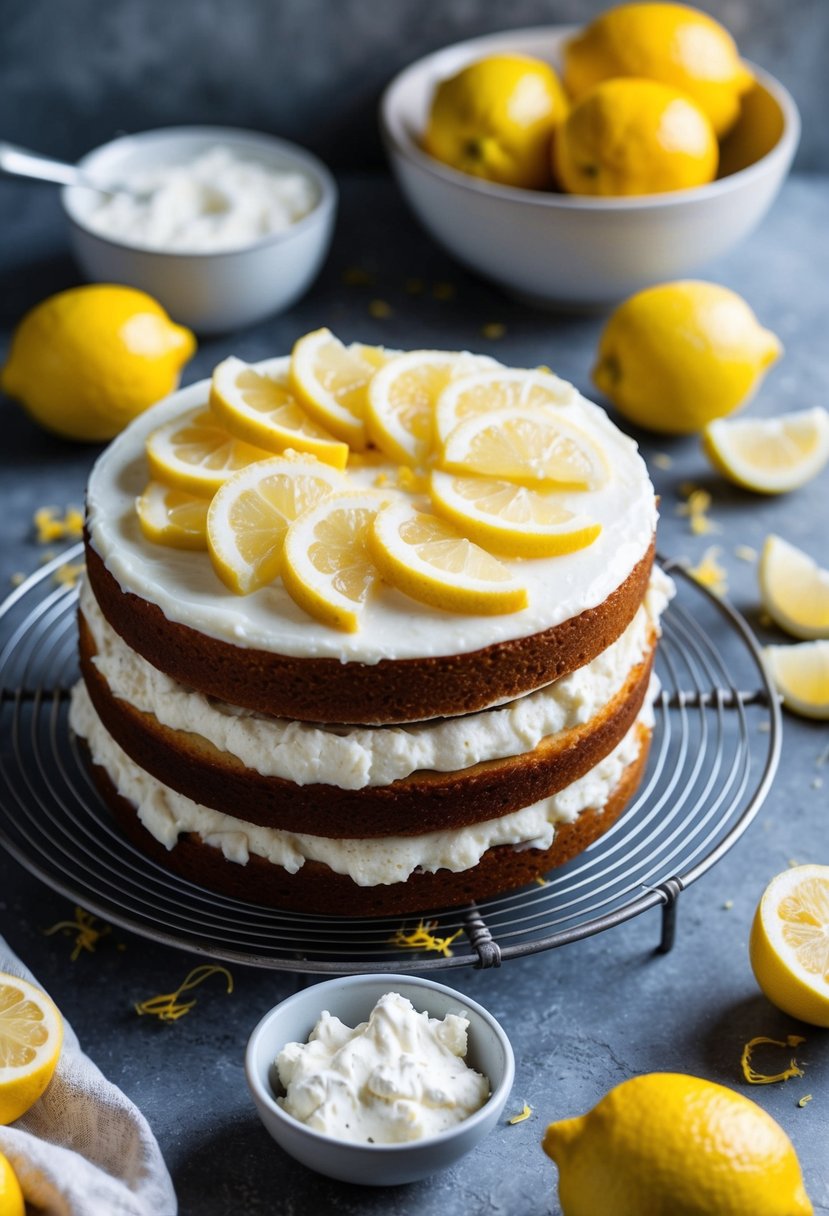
{"x": 583, "y": 1017}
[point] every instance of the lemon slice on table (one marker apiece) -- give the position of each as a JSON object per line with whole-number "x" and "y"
{"x": 330, "y": 381}
{"x": 510, "y": 519}
{"x": 800, "y": 673}
{"x": 173, "y": 517}
{"x": 794, "y": 589}
{"x": 194, "y": 452}
{"x": 770, "y": 455}
{"x": 31, "y": 1036}
{"x": 526, "y": 447}
{"x": 499, "y": 389}
{"x": 427, "y": 559}
{"x": 327, "y": 567}
{"x": 259, "y": 407}
{"x": 251, "y": 513}
{"x": 403, "y": 395}
{"x": 789, "y": 943}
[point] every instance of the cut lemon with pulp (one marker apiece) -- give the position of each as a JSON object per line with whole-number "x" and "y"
{"x": 800, "y": 673}
{"x": 427, "y": 559}
{"x": 31, "y": 1036}
{"x": 499, "y": 389}
{"x": 789, "y": 943}
{"x": 194, "y": 452}
{"x": 794, "y": 589}
{"x": 257, "y": 405}
{"x": 526, "y": 447}
{"x": 173, "y": 517}
{"x": 251, "y": 513}
{"x": 510, "y": 519}
{"x": 403, "y": 395}
{"x": 330, "y": 380}
{"x": 770, "y": 455}
{"x": 327, "y": 568}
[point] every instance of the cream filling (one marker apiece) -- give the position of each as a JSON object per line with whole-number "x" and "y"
{"x": 358, "y": 757}
{"x": 376, "y": 862}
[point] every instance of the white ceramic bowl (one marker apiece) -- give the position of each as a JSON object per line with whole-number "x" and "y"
{"x": 210, "y": 292}
{"x": 570, "y": 250}
{"x": 352, "y": 1000}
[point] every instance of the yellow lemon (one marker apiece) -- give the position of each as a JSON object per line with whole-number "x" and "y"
{"x": 31, "y": 1036}
{"x": 672, "y": 1145}
{"x": 11, "y": 1196}
{"x": 789, "y": 943}
{"x": 675, "y": 356}
{"x": 85, "y": 362}
{"x": 634, "y": 136}
{"x": 672, "y": 43}
{"x": 495, "y": 120}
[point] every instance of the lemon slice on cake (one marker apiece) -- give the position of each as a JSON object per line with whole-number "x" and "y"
{"x": 31, "y": 1036}
{"x": 330, "y": 380}
{"x": 770, "y": 455}
{"x": 258, "y": 406}
{"x": 251, "y": 513}
{"x": 800, "y": 673}
{"x": 173, "y": 517}
{"x": 427, "y": 559}
{"x": 527, "y": 447}
{"x": 789, "y": 943}
{"x": 499, "y": 389}
{"x": 794, "y": 589}
{"x": 194, "y": 452}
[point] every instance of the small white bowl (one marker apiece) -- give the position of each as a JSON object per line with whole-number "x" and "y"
{"x": 571, "y": 250}
{"x": 352, "y": 1000}
{"x": 210, "y": 292}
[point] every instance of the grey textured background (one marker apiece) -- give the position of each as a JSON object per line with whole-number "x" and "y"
{"x": 73, "y": 73}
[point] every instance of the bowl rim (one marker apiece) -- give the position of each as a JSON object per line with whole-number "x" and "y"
{"x": 397, "y": 139}
{"x": 316, "y": 169}
{"x": 262, "y": 1091}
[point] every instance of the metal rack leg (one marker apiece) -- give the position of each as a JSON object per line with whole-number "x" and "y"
{"x": 489, "y": 952}
{"x": 670, "y": 890}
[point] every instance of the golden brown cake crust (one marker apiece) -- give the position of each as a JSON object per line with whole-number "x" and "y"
{"x": 391, "y": 691}
{"x": 316, "y": 888}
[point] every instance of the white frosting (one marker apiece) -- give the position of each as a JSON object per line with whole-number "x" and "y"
{"x": 187, "y": 590}
{"x": 356, "y": 757}
{"x": 400, "y": 1076}
{"x": 166, "y": 814}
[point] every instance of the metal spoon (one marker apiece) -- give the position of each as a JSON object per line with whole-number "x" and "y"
{"x": 20, "y": 162}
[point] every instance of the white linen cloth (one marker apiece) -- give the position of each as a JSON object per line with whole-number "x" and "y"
{"x": 84, "y": 1149}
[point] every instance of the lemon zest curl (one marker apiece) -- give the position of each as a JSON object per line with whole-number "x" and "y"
{"x": 167, "y": 1007}
{"x": 760, "y": 1078}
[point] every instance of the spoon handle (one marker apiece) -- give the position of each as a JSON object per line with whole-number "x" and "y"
{"x": 20, "y": 162}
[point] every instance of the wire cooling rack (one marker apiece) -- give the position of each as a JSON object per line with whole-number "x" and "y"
{"x": 715, "y": 749}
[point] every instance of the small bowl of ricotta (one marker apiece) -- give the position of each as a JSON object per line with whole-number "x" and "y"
{"x": 222, "y": 226}
{"x": 379, "y": 1079}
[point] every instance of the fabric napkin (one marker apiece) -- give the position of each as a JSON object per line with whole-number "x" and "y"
{"x": 84, "y": 1149}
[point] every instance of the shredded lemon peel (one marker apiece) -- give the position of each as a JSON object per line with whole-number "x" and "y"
{"x": 710, "y": 573}
{"x": 68, "y": 574}
{"x": 86, "y": 931}
{"x": 166, "y": 1005}
{"x": 380, "y": 309}
{"x": 662, "y": 460}
{"x": 696, "y": 507}
{"x": 541, "y": 882}
{"x": 753, "y": 1077}
{"x": 745, "y": 553}
{"x": 50, "y": 524}
{"x": 525, "y": 1114}
{"x": 804, "y": 1101}
{"x": 423, "y": 938}
{"x": 493, "y": 331}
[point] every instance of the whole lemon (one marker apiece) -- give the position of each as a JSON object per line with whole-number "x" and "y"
{"x": 634, "y": 136}
{"x": 664, "y": 1144}
{"x": 86, "y": 361}
{"x": 675, "y": 356}
{"x": 11, "y": 1196}
{"x": 673, "y": 43}
{"x": 495, "y": 120}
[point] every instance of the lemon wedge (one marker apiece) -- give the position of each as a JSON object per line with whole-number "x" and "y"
{"x": 173, "y": 517}
{"x": 330, "y": 381}
{"x": 789, "y": 943}
{"x": 251, "y": 513}
{"x": 800, "y": 673}
{"x": 425, "y": 558}
{"x": 259, "y": 407}
{"x": 526, "y": 447}
{"x": 194, "y": 452}
{"x": 510, "y": 519}
{"x": 327, "y": 568}
{"x": 794, "y": 589}
{"x": 499, "y": 389}
{"x": 769, "y": 455}
{"x": 402, "y": 398}
{"x": 31, "y": 1036}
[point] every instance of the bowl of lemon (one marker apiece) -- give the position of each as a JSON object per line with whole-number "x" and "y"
{"x": 575, "y": 166}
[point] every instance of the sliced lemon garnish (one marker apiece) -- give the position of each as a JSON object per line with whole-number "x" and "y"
{"x": 259, "y": 407}
{"x": 769, "y": 455}
{"x": 194, "y": 452}
{"x": 402, "y": 398}
{"x": 789, "y": 944}
{"x": 499, "y": 389}
{"x": 31, "y": 1036}
{"x": 527, "y": 447}
{"x": 800, "y": 673}
{"x": 330, "y": 381}
{"x": 173, "y": 517}
{"x": 427, "y": 559}
{"x": 327, "y": 567}
{"x": 510, "y": 519}
{"x": 794, "y": 589}
{"x": 251, "y": 513}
